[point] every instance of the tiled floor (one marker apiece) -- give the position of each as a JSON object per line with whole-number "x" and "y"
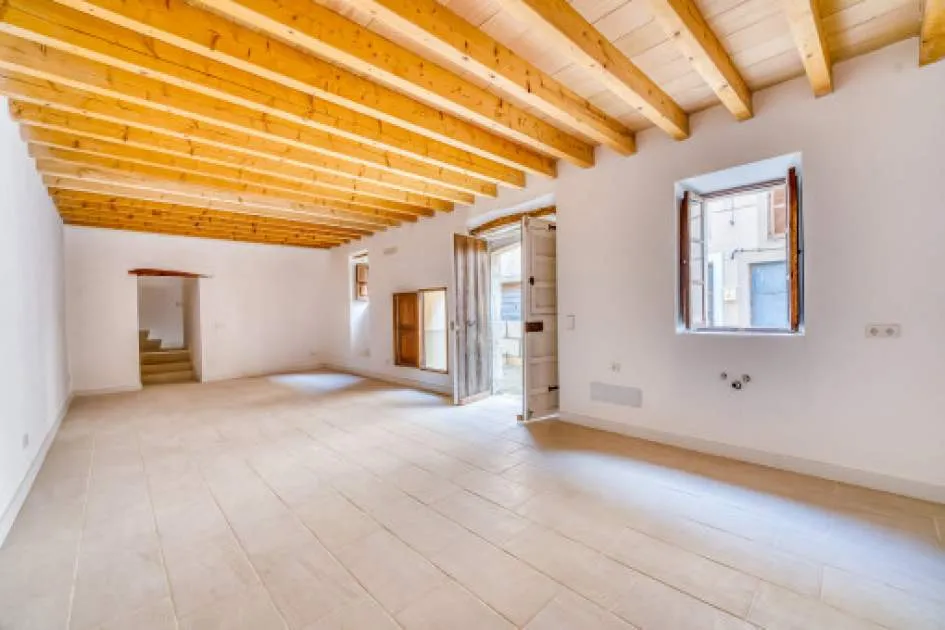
{"x": 324, "y": 501}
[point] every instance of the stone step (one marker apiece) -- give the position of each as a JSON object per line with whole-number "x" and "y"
{"x": 167, "y": 366}
{"x": 162, "y": 378}
{"x": 165, "y": 356}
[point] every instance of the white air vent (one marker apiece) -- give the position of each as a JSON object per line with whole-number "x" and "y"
{"x": 616, "y": 394}
{"x": 390, "y": 251}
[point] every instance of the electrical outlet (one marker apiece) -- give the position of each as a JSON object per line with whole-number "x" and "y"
{"x": 883, "y": 331}
{"x": 615, "y": 367}
{"x": 26, "y": 440}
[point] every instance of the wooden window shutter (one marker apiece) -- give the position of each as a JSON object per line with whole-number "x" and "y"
{"x": 361, "y": 281}
{"x": 684, "y": 260}
{"x": 794, "y": 248}
{"x": 407, "y": 329}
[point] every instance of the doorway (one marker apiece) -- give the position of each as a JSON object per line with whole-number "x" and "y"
{"x": 506, "y": 314}
{"x": 168, "y": 329}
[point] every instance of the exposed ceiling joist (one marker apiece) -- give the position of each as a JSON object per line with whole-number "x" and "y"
{"x": 59, "y": 145}
{"x": 335, "y": 38}
{"x": 806, "y": 23}
{"x": 53, "y": 102}
{"x": 932, "y": 46}
{"x": 44, "y": 62}
{"x": 683, "y": 22}
{"x": 433, "y": 25}
{"x": 561, "y": 23}
{"x": 96, "y": 40}
{"x": 342, "y": 94}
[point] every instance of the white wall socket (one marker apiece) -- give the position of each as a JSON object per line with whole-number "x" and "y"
{"x": 883, "y": 331}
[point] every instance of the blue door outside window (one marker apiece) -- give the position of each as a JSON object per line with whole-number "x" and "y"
{"x": 769, "y": 295}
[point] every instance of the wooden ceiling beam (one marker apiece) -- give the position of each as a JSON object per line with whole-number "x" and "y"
{"x": 30, "y": 94}
{"x": 120, "y": 203}
{"x": 43, "y": 62}
{"x": 47, "y": 159}
{"x": 435, "y": 26}
{"x": 157, "y": 228}
{"x": 932, "y": 46}
{"x": 88, "y": 188}
{"x": 59, "y": 145}
{"x": 38, "y": 122}
{"x": 805, "y": 20}
{"x": 207, "y": 223}
{"x": 562, "y": 25}
{"x": 339, "y": 91}
{"x": 330, "y": 36}
{"x": 684, "y": 23}
{"x": 76, "y": 176}
{"x": 46, "y": 22}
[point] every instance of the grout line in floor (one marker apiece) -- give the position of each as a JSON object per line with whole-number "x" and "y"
{"x": 78, "y": 551}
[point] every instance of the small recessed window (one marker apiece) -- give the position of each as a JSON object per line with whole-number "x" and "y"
{"x": 740, "y": 252}
{"x": 361, "y": 279}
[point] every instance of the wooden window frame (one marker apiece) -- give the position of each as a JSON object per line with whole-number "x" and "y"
{"x": 794, "y": 258}
{"x": 359, "y": 284}
{"x": 418, "y": 325}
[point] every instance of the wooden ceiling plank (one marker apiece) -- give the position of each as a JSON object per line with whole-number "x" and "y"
{"x": 190, "y": 28}
{"x": 53, "y": 104}
{"x": 562, "y": 24}
{"x": 79, "y": 188}
{"x": 684, "y": 23}
{"x": 174, "y": 231}
{"x": 164, "y": 177}
{"x": 806, "y": 21}
{"x": 57, "y": 144}
{"x": 208, "y": 223}
{"x": 50, "y": 127}
{"x": 333, "y": 37}
{"x": 932, "y": 42}
{"x": 46, "y": 22}
{"x": 435, "y": 26}
{"x": 68, "y": 175}
{"x": 119, "y": 203}
{"x": 42, "y": 62}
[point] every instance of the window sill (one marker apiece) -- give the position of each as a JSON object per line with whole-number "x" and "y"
{"x": 741, "y": 332}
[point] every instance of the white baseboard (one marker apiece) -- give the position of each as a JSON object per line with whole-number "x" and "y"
{"x": 120, "y": 389}
{"x": 444, "y": 390}
{"x": 834, "y": 472}
{"x": 23, "y": 491}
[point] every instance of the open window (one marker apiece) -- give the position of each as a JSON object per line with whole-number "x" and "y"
{"x": 361, "y": 278}
{"x": 420, "y": 330}
{"x": 740, "y": 256}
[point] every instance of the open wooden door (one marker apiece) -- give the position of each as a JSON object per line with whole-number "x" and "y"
{"x": 540, "y": 313}
{"x": 472, "y": 373}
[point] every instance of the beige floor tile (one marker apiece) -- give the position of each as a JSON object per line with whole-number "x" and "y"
{"x": 505, "y": 583}
{"x": 335, "y": 521}
{"x": 495, "y": 488}
{"x": 886, "y": 605}
{"x": 450, "y": 607}
{"x": 392, "y": 572}
{"x": 570, "y": 612}
{"x": 207, "y": 572}
{"x": 321, "y": 501}
{"x": 250, "y": 610}
{"x": 488, "y": 520}
{"x": 588, "y": 572}
{"x": 704, "y": 579}
{"x": 362, "y": 614}
{"x": 776, "y": 608}
{"x": 652, "y": 605}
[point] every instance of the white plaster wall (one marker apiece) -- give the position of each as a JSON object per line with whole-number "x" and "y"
{"x": 161, "y": 309}
{"x": 259, "y": 311}
{"x": 874, "y": 216}
{"x": 422, "y": 259}
{"x": 34, "y": 380}
{"x": 192, "y": 324}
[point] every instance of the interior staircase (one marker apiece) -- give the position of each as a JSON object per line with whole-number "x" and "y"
{"x": 160, "y": 366}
